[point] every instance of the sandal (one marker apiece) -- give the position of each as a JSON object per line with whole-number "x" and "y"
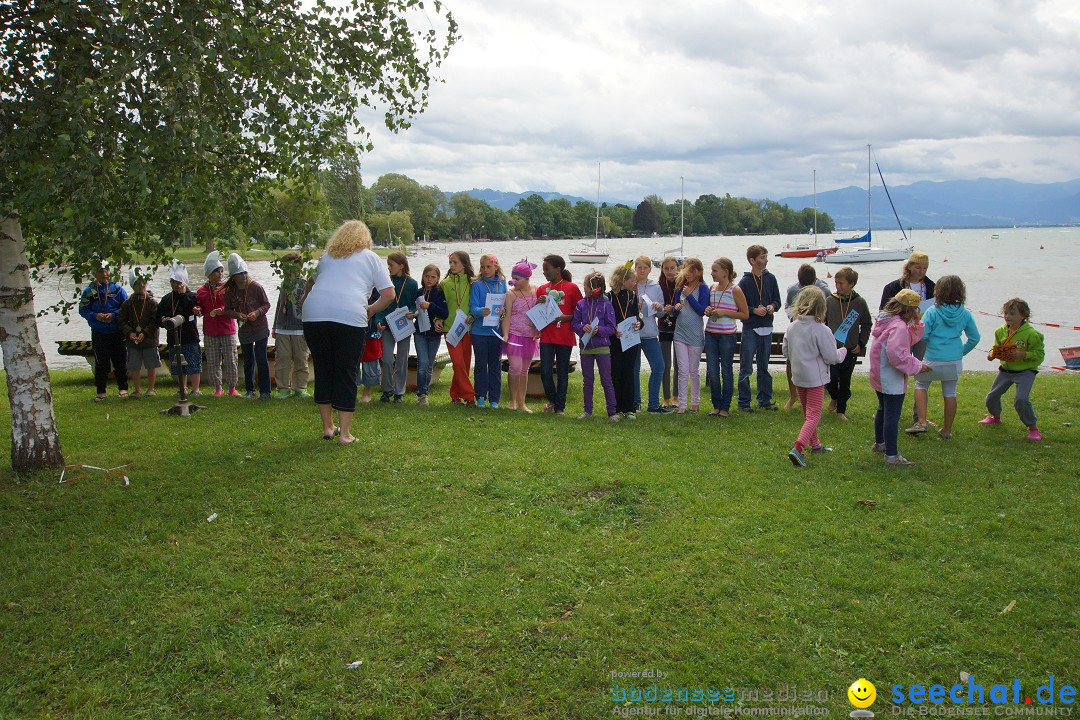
{"x": 715, "y": 413}
{"x": 331, "y": 436}
{"x": 99, "y": 398}
{"x": 350, "y": 441}
{"x": 122, "y": 393}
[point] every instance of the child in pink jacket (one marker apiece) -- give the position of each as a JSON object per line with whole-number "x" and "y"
{"x": 896, "y": 330}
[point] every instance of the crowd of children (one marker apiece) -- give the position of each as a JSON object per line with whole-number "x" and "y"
{"x": 613, "y": 321}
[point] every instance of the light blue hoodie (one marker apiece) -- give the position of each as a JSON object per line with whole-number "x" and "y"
{"x": 944, "y": 326}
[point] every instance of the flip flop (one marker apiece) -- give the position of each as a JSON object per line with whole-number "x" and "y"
{"x": 331, "y": 436}
{"x": 350, "y": 441}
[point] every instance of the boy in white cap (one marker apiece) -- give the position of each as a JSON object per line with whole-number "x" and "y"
{"x": 181, "y": 301}
{"x": 246, "y": 302}
{"x": 139, "y": 325}
{"x": 219, "y": 330}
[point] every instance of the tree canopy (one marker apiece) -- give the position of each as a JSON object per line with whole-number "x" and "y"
{"x": 127, "y": 124}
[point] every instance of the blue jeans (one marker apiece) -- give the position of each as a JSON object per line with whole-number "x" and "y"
{"x": 255, "y": 353}
{"x": 719, "y": 358}
{"x": 427, "y": 347}
{"x": 650, "y": 348}
{"x": 755, "y": 348}
{"x": 552, "y": 355}
{"x": 487, "y": 367}
{"x": 887, "y": 421}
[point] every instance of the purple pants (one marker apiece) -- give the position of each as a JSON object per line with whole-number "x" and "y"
{"x": 603, "y": 364}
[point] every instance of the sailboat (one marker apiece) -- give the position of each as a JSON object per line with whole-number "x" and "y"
{"x": 679, "y": 253}
{"x": 806, "y": 250}
{"x": 871, "y": 253}
{"x": 590, "y": 253}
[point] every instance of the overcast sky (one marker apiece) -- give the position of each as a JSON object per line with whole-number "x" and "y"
{"x": 745, "y": 97}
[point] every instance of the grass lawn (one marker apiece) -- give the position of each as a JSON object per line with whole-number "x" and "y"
{"x": 483, "y": 564}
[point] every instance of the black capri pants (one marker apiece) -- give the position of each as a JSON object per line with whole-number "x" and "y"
{"x": 335, "y": 353}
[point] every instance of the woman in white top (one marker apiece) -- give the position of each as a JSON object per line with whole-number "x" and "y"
{"x": 336, "y": 315}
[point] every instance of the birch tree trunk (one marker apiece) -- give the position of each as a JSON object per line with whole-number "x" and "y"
{"x": 35, "y": 441}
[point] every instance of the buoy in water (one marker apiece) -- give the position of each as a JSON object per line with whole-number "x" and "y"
{"x": 1041, "y": 247}
{"x": 989, "y": 267}
{"x": 945, "y": 260}
{"x": 828, "y": 274}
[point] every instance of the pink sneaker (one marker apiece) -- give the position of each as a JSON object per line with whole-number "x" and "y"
{"x": 234, "y": 393}
{"x": 1034, "y": 434}
{"x": 990, "y": 420}
{"x": 219, "y": 392}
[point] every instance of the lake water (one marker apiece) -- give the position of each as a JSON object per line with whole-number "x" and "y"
{"x": 1036, "y": 264}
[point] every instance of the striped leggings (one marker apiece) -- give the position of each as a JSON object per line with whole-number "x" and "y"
{"x": 811, "y": 399}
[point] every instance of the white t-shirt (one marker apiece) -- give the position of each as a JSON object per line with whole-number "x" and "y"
{"x": 343, "y": 286}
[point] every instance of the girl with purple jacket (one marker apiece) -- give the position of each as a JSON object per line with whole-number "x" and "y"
{"x": 594, "y": 317}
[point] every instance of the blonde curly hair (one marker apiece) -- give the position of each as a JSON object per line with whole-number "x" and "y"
{"x": 351, "y": 237}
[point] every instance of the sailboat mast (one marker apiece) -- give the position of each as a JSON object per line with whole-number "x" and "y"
{"x": 596, "y": 235}
{"x": 869, "y": 210}
{"x": 815, "y": 208}
{"x": 682, "y": 214}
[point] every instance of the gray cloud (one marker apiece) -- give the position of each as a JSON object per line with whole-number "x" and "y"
{"x": 746, "y": 97}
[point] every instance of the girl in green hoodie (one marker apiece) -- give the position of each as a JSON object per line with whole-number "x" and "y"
{"x": 1019, "y": 347}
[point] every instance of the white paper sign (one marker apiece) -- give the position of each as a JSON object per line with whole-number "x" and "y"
{"x": 647, "y": 305}
{"x": 400, "y": 325}
{"x": 589, "y": 335}
{"x": 631, "y": 336}
{"x": 423, "y": 321}
{"x": 545, "y": 313}
{"x": 494, "y": 303}
{"x": 458, "y": 329}
{"x": 926, "y": 305}
{"x": 947, "y": 372}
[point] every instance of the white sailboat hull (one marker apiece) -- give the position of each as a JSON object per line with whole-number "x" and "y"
{"x": 867, "y": 254}
{"x": 587, "y": 256}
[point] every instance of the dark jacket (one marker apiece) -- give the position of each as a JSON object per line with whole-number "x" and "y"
{"x": 288, "y": 315}
{"x": 179, "y": 304}
{"x": 897, "y": 285}
{"x": 139, "y": 315}
{"x": 438, "y": 309}
{"x": 769, "y": 297}
{"x": 251, "y": 299}
{"x": 105, "y": 298}
{"x": 835, "y": 312}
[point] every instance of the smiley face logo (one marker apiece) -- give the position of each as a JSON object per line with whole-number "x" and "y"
{"x": 862, "y": 693}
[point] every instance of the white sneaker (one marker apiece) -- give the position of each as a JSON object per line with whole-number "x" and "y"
{"x": 898, "y": 460}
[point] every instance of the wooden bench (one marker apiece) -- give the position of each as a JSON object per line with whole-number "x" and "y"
{"x": 83, "y": 348}
{"x": 776, "y": 350}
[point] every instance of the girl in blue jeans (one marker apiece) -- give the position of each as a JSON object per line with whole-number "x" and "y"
{"x": 433, "y": 300}
{"x": 726, "y": 305}
{"x": 651, "y": 298}
{"x": 487, "y": 345}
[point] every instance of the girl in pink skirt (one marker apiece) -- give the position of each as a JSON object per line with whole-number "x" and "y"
{"x": 522, "y": 337}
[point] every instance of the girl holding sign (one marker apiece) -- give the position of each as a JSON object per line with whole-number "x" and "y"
{"x": 395, "y": 357}
{"x": 649, "y": 296}
{"x": 594, "y": 323}
{"x": 848, "y": 316}
{"x": 433, "y": 302}
{"x": 456, "y": 288}
{"x": 624, "y": 361}
{"x": 521, "y": 335}
{"x": 487, "y": 313}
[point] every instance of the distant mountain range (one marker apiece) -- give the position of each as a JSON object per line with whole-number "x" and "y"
{"x": 926, "y": 204}
{"x": 952, "y": 203}
{"x": 506, "y": 200}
